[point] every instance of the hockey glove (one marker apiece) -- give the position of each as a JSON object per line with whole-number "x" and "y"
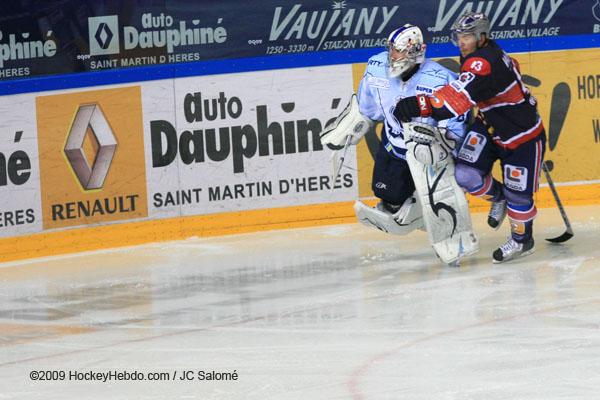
{"x": 412, "y": 107}
{"x": 428, "y": 144}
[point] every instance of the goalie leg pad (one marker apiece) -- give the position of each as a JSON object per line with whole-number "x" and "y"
{"x": 405, "y": 220}
{"x": 445, "y": 208}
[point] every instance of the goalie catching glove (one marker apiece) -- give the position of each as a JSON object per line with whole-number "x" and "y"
{"x": 349, "y": 123}
{"x": 431, "y": 144}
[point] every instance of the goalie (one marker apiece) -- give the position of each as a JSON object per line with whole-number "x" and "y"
{"x": 413, "y": 172}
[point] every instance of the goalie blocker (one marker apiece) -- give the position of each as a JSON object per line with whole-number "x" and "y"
{"x": 445, "y": 208}
{"x": 349, "y": 123}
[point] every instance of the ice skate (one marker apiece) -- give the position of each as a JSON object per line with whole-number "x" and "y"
{"x": 512, "y": 249}
{"x": 497, "y": 214}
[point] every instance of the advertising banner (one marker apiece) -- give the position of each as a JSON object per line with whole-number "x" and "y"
{"x": 92, "y": 157}
{"x": 250, "y": 141}
{"x": 172, "y": 148}
{"x": 569, "y": 101}
{"x": 20, "y": 201}
{"x": 40, "y": 38}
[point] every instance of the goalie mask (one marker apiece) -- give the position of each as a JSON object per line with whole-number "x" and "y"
{"x": 407, "y": 40}
{"x": 470, "y": 23}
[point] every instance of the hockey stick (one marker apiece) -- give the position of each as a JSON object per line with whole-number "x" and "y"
{"x": 338, "y": 163}
{"x": 568, "y": 234}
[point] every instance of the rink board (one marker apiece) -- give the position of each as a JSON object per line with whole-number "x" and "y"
{"x": 219, "y": 154}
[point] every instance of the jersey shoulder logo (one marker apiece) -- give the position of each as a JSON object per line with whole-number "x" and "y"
{"x": 466, "y": 77}
{"x": 463, "y": 80}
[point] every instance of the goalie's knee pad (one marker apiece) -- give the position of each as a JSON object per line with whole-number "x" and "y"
{"x": 408, "y": 218}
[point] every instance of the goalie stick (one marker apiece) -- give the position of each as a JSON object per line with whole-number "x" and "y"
{"x": 338, "y": 163}
{"x": 568, "y": 234}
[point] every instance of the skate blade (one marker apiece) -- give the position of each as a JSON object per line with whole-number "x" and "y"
{"x": 523, "y": 254}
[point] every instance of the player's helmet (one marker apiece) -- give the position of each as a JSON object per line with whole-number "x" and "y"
{"x": 408, "y": 38}
{"x": 471, "y": 22}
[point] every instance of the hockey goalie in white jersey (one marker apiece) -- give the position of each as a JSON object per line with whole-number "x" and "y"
{"x": 413, "y": 174}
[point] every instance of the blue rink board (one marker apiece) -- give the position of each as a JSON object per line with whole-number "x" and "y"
{"x": 311, "y": 59}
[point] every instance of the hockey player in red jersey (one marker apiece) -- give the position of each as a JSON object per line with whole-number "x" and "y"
{"x": 510, "y": 129}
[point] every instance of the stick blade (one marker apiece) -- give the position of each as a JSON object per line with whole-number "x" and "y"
{"x": 562, "y": 238}
{"x": 338, "y": 158}
{"x": 337, "y": 166}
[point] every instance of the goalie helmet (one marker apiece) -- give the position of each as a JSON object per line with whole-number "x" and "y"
{"x": 407, "y": 39}
{"x": 470, "y": 23}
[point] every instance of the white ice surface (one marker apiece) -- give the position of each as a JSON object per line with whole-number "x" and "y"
{"x": 337, "y": 312}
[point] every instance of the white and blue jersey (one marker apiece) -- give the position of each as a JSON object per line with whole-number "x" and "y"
{"x": 378, "y": 95}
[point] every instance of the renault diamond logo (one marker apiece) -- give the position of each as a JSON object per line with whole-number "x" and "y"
{"x": 104, "y": 35}
{"x": 90, "y": 120}
{"x": 596, "y": 10}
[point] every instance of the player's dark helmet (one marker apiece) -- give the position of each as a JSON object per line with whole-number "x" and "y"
{"x": 471, "y": 23}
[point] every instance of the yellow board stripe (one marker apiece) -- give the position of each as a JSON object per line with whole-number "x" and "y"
{"x": 136, "y": 233}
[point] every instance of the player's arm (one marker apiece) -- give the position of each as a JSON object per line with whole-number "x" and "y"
{"x": 453, "y": 99}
